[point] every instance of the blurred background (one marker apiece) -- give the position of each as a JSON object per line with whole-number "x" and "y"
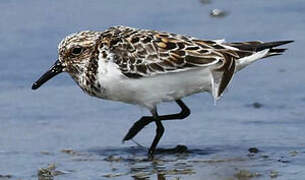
{"x": 80, "y": 136}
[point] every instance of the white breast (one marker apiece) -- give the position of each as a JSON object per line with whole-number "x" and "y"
{"x": 149, "y": 91}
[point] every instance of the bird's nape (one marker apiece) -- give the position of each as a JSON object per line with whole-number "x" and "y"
{"x": 53, "y": 71}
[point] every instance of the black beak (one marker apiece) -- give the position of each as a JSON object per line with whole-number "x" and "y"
{"x": 53, "y": 71}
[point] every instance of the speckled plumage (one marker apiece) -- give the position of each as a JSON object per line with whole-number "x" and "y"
{"x": 146, "y": 67}
{"x": 142, "y": 54}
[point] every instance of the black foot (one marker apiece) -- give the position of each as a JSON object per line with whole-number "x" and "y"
{"x": 145, "y": 120}
{"x": 150, "y": 154}
{"x": 177, "y": 149}
{"x": 137, "y": 127}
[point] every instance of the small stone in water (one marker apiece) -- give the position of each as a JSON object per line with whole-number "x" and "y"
{"x": 245, "y": 174}
{"x": 257, "y": 105}
{"x": 274, "y": 174}
{"x": 5, "y": 176}
{"x": 293, "y": 153}
{"x": 253, "y": 150}
{"x": 218, "y": 13}
{"x": 205, "y": 1}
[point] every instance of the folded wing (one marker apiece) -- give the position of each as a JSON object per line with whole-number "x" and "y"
{"x": 145, "y": 53}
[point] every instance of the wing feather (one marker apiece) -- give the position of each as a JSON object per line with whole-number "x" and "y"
{"x": 143, "y": 53}
{"x": 146, "y": 53}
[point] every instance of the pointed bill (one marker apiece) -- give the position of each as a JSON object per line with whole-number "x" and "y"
{"x": 53, "y": 71}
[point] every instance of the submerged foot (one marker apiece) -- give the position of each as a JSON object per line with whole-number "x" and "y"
{"x": 176, "y": 150}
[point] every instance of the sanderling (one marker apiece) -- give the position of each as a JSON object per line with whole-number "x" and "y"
{"x": 145, "y": 67}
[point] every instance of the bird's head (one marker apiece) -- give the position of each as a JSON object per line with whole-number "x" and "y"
{"x": 74, "y": 54}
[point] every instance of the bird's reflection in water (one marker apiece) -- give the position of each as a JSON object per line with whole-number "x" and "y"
{"x": 159, "y": 177}
{"x": 173, "y": 166}
{"x": 168, "y": 164}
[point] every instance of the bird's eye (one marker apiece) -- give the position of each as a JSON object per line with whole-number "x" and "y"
{"x": 77, "y": 50}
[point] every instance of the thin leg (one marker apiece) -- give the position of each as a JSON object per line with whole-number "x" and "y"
{"x": 137, "y": 127}
{"x": 159, "y": 133}
{"x": 145, "y": 120}
{"x": 185, "y": 112}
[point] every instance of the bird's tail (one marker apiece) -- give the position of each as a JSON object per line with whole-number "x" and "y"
{"x": 274, "y": 51}
{"x": 257, "y": 46}
{"x": 247, "y": 53}
{"x": 252, "y": 51}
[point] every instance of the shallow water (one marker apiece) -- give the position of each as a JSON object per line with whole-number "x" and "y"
{"x": 82, "y": 135}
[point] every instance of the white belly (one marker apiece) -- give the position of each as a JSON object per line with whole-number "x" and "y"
{"x": 149, "y": 91}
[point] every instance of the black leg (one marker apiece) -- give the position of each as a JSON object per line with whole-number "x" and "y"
{"x": 145, "y": 120}
{"x": 185, "y": 112}
{"x": 137, "y": 127}
{"x": 159, "y": 133}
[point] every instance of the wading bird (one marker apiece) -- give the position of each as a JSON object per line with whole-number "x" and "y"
{"x": 145, "y": 67}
